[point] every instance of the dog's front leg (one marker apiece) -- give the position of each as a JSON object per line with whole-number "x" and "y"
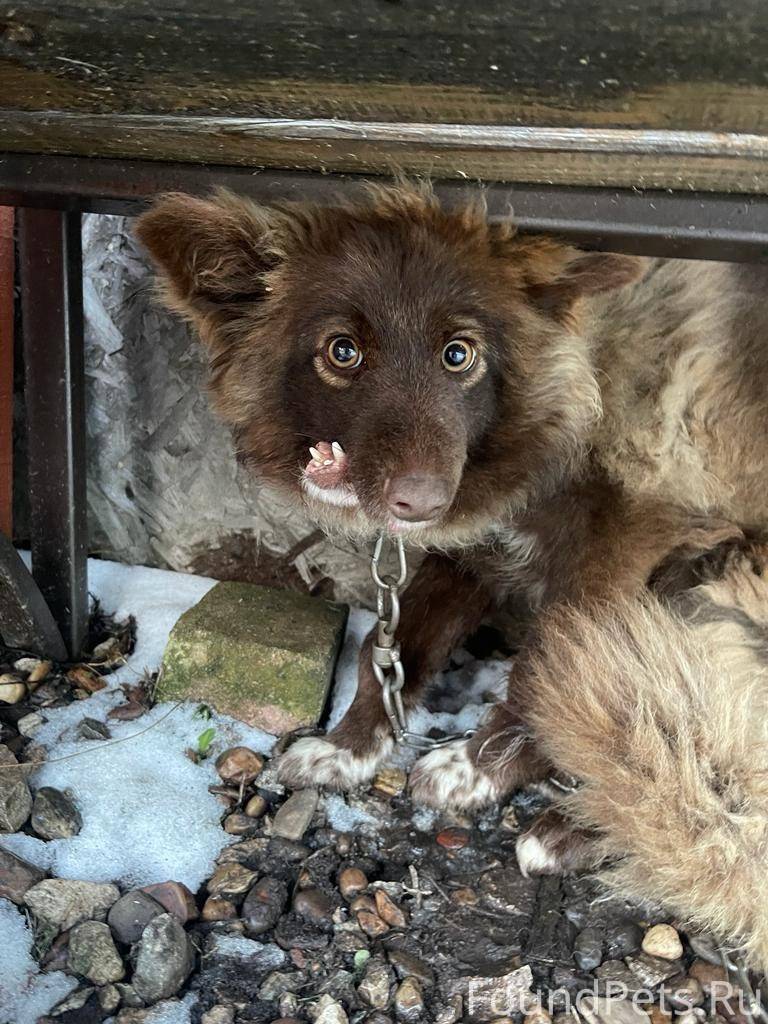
{"x": 441, "y": 607}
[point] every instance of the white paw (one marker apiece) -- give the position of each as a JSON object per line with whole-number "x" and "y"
{"x": 534, "y": 858}
{"x": 313, "y": 761}
{"x": 448, "y": 777}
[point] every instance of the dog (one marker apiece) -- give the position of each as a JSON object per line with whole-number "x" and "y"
{"x": 547, "y": 423}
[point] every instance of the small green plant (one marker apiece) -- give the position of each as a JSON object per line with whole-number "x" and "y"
{"x": 204, "y": 741}
{"x": 361, "y": 958}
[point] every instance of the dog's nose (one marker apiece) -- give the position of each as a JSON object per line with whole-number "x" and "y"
{"x": 417, "y": 497}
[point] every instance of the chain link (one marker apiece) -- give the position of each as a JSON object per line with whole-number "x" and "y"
{"x": 385, "y": 652}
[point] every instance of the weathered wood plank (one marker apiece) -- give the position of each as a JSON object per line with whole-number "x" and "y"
{"x": 256, "y": 85}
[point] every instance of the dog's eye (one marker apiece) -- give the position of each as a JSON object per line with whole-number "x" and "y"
{"x": 459, "y": 355}
{"x": 343, "y": 352}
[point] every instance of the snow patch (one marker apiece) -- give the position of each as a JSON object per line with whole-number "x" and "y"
{"x": 25, "y": 994}
{"x": 347, "y": 818}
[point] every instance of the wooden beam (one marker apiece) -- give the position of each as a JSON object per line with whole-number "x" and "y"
{"x": 6, "y": 370}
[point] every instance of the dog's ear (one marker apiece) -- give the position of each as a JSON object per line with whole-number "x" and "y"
{"x": 210, "y": 253}
{"x": 555, "y": 276}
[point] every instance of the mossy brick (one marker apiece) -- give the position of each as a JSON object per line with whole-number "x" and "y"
{"x": 263, "y": 656}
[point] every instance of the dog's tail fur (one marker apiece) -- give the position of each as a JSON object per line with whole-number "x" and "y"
{"x": 668, "y": 733}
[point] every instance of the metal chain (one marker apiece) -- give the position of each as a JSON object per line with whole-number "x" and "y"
{"x": 385, "y": 652}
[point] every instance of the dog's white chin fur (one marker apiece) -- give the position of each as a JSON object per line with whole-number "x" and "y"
{"x": 447, "y": 777}
{"x": 313, "y": 761}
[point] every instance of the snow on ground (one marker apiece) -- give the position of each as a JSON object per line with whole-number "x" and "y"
{"x": 25, "y": 994}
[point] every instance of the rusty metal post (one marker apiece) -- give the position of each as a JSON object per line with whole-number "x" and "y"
{"x": 52, "y": 311}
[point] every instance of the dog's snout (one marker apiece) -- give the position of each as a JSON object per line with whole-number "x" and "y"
{"x": 417, "y": 497}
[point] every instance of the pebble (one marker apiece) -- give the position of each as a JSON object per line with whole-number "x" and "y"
{"x": 239, "y": 765}
{"x": 17, "y": 877}
{"x": 108, "y": 652}
{"x": 694, "y": 1016}
{"x": 409, "y": 1001}
{"x": 131, "y": 914}
{"x": 239, "y": 824}
{"x": 12, "y": 690}
{"x": 263, "y": 905}
{"x": 313, "y": 905}
{"x": 704, "y": 946}
{"x": 328, "y": 1011}
{"x": 652, "y": 970}
{"x": 175, "y": 898}
{"x": 407, "y": 965}
{"x": 658, "y": 1016}
{"x": 707, "y": 974}
{"x": 73, "y": 1002}
{"x": 684, "y": 994}
{"x": 164, "y": 959}
{"x": 371, "y": 923}
{"x": 453, "y": 838}
{"x": 109, "y": 998}
{"x": 15, "y": 795}
{"x": 63, "y": 902}
{"x": 537, "y": 1016}
{"x": 29, "y": 665}
{"x": 390, "y": 781}
{"x": 29, "y": 724}
{"x": 219, "y": 1015}
{"x": 293, "y": 818}
{"x": 91, "y": 729}
{"x": 54, "y": 815}
{"x": 352, "y": 881}
{"x": 663, "y": 941}
{"x": 623, "y": 938}
{"x": 256, "y": 806}
{"x": 230, "y": 880}
{"x": 376, "y": 986}
{"x": 128, "y": 996}
{"x": 588, "y": 949}
{"x": 92, "y": 953}
{"x": 389, "y": 911}
{"x": 217, "y": 908}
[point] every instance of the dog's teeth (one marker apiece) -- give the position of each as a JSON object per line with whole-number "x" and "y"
{"x": 337, "y": 450}
{"x": 327, "y": 462}
{"x": 316, "y": 456}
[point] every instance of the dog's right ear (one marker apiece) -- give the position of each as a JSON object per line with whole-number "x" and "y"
{"x": 210, "y": 253}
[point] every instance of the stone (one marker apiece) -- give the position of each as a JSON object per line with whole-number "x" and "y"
{"x": 261, "y": 655}
{"x": 239, "y": 765}
{"x": 588, "y": 949}
{"x": 15, "y": 796}
{"x": 219, "y": 1015}
{"x": 389, "y": 911}
{"x": 74, "y": 1002}
{"x": 375, "y": 988}
{"x": 489, "y": 997}
{"x": 130, "y": 915}
{"x": 17, "y": 877}
{"x": 263, "y": 905}
{"x": 256, "y": 806}
{"x": 92, "y": 729}
{"x": 92, "y": 954}
{"x": 683, "y": 994}
{"x": 371, "y": 923}
{"x": 712, "y": 977}
{"x": 598, "y": 1010}
{"x": 217, "y": 908}
{"x": 652, "y": 970}
{"x": 293, "y": 818}
{"x": 109, "y": 998}
{"x": 352, "y": 881}
{"x": 390, "y": 781}
{"x": 175, "y": 898}
{"x": 409, "y": 1001}
{"x": 706, "y": 947}
{"x": 164, "y": 959}
{"x": 622, "y": 938}
{"x": 662, "y": 940}
{"x": 453, "y": 838}
{"x": 538, "y": 1015}
{"x": 63, "y": 903}
{"x": 407, "y": 965}
{"x": 54, "y": 815}
{"x": 314, "y": 905}
{"x": 12, "y": 690}
{"x": 328, "y": 1011}
{"x": 230, "y": 880}
{"x": 128, "y": 996}
{"x": 613, "y": 973}
{"x": 31, "y": 723}
{"x": 659, "y": 1016}
{"x": 240, "y": 825}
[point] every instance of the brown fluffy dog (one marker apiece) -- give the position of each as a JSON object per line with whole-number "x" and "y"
{"x": 548, "y": 422}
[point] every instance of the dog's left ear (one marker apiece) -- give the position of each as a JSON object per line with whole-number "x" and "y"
{"x": 556, "y": 276}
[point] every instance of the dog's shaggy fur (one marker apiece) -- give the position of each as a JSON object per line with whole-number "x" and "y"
{"x": 661, "y": 710}
{"x": 609, "y": 425}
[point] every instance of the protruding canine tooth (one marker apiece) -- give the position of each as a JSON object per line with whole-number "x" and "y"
{"x": 327, "y": 462}
{"x": 316, "y": 455}
{"x": 337, "y": 450}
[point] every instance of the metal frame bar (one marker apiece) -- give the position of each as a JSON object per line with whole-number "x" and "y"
{"x": 52, "y": 310}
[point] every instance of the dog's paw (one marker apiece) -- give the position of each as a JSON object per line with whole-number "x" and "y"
{"x": 554, "y": 846}
{"x": 448, "y": 777}
{"x": 314, "y": 761}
